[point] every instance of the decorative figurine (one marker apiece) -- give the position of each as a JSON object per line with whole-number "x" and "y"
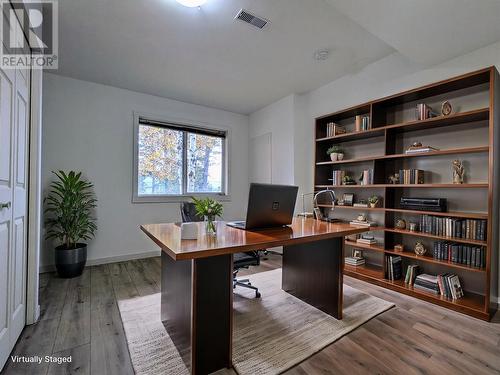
{"x": 458, "y": 172}
{"x": 400, "y": 224}
{"x": 361, "y": 217}
{"x": 420, "y": 248}
{"x": 446, "y": 108}
{"x": 399, "y": 248}
{"x": 394, "y": 179}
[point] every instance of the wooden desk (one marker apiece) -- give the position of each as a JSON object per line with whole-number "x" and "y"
{"x": 197, "y": 276}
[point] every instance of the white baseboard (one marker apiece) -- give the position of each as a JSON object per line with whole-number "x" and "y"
{"x": 119, "y": 258}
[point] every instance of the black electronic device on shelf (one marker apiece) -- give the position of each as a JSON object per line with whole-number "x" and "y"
{"x": 424, "y": 204}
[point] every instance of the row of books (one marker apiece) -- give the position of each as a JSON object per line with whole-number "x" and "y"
{"x": 472, "y": 229}
{"x": 411, "y": 176}
{"x": 423, "y": 112}
{"x": 337, "y": 177}
{"x": 474, "y": 256}
{"x": 362, "y": 123}
{"x": 412, "y": 271}
{"x": 394, "y": 267}
{"x": 447, "y": 285}
{"x": 367, "y": 177}
{"x": 333, "y": 129}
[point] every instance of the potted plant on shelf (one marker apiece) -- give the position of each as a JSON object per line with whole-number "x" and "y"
{"x": 336, "y": 153}
{"x": 69, "y": 207}
{"x": 373, "y": 200}
{"x": 210, "y": 209}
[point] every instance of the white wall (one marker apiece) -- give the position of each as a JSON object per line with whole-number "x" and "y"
{"x": 89, "y": 127}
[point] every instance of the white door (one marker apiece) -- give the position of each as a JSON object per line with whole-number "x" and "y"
{"x": 14, "y": 125}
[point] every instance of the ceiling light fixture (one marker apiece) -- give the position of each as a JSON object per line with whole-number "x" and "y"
{"x": 191, "y": 3}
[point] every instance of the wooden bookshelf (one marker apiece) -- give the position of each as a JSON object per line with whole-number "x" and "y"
{"x": 468, "y": 134}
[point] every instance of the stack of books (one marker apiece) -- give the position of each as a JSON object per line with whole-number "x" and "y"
{"x": 449, "y": 286}
{"x": 394, "y": 266}
{"x": 411, "y": 274}
{"x": 360, "y": 204}
{"x": 354, "y": 261}
{"x": 365, "y": 223}
{"x": 337, "y": 177}
{"x": 427, "y": 283}
{"x": 411, "y": 176}
{"x": 367, "y": 239}
{"x": 473, "y": 256}
{"x": 367, "y": 177}
{"x": 471, "y": 229}
{"x": 362, "y": 123}
{"x": 423, "y": 112}
{"x": 419, "y": 149}
{"x": 333, "y": 129}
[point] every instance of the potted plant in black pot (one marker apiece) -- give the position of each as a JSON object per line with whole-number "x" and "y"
{"x": 69, "y": 208}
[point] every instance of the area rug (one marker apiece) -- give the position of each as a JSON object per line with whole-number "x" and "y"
{"x": 270, "y": 335}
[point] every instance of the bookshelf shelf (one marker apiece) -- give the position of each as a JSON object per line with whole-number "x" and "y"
{"x": 430, "y": 259}
{"x": 468, "y": 150}
{"x": 467, "y": 134}
{"x": 409, "y": 186}
{"x": 427, "y": 235}
{"x": 365, "y": 246}
{"x": 463, "y": 215}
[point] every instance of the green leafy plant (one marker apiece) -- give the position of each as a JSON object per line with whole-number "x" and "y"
{"x": 335, "y": 149}
{"x": 373, "y": 199}
{"x": 208, "y": 207}
{"x": 69, "y": 207}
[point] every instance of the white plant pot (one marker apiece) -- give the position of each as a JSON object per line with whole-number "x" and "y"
{"x": 334, "y": 156}
{"x": 340, "y": 156}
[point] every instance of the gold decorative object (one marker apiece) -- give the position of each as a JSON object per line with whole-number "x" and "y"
{"x": 446, "y": 108}
{"x": 419, "y": 248}
{"x": 458, "y": 172}
{"x": 400, "y": 224}
{"x": 399, "y": 248}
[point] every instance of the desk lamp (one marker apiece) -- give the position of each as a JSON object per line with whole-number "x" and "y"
{"x": 329, "y": 197}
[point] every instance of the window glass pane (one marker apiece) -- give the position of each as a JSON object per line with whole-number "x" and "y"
{"x": 160, "y": 161}
{"x": 204, "y": 164}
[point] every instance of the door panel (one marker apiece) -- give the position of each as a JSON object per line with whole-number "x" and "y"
{"x": 4, "y": 287}
{"x": 14, "y": 130}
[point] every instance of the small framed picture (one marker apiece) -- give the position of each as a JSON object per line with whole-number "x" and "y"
{"x": 348, "y": 199}
{"x": 357, "y": 254}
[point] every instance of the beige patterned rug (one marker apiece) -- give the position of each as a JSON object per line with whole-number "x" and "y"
{"x": 271, "y": 334}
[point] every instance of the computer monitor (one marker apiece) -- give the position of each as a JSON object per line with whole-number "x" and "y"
{"x": 269, "y": 205}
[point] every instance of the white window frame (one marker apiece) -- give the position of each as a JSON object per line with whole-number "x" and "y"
{"x": 169, "y": 198}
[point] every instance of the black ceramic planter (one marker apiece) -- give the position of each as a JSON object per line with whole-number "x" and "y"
{"x": 71, "y": 262}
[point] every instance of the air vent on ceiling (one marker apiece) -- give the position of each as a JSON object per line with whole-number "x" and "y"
{"x": 253, "y": 20}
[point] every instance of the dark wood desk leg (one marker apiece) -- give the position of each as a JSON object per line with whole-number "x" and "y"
{"x": 313, "y": 273}
{"x": 197, "y": 310}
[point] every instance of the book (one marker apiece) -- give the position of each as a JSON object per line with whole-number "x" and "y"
{"x": 365, "y": 241}
{"x": 416, "y": 150}
{"x": 364, "y": 223}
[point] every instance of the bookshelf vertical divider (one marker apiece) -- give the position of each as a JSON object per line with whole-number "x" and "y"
{"x": 470, "y": 133}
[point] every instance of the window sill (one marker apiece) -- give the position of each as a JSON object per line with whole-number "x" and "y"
{"x": 178, "y": 198}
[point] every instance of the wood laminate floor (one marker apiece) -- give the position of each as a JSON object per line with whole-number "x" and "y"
{"x": 80, "y": 317}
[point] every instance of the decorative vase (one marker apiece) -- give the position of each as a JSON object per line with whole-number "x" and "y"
{"x": 334, "y": 156}
{"x": 210, "y": 225}
{"x": 340, "y": 156}
{"x": 70, "y": 262}
{"x": 373, "y": 205}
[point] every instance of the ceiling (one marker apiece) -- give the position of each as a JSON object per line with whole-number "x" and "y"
{"x": 204, "y": 56}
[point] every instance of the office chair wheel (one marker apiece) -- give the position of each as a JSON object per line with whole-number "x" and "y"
{"x": 249, "y": 283}
{"x": 257, "y": 295}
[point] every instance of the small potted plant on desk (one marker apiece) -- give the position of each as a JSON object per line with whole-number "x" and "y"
{"x": 69, "y": 207}
{"x": 336, "y": 153}
{"x": 210, "y": 209}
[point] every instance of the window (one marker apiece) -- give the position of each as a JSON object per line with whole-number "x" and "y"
{"x": 177, "y": 160}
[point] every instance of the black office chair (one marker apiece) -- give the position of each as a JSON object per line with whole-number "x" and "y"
{"x": 240, "y": 260}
